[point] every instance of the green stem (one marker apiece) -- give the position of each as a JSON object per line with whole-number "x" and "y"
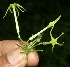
{"x": 17, "y": 26}
{"x": 31, "y": 38}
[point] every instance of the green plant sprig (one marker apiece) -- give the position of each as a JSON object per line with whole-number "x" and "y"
{"x": 34, "y": 40}
{"x": 15, "y": 11}
{"x": 51, "y": 24}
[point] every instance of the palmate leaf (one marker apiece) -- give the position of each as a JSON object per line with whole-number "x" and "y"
{"x": 53, "y": 40}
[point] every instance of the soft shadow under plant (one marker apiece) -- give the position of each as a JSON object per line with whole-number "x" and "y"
{"x": 35, "y": 39}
